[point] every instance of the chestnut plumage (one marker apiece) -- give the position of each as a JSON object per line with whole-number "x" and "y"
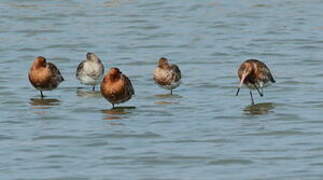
{"x": 255, "y": 75}
{"x": 44, "y": 75}
{"x": 116, "y": 87}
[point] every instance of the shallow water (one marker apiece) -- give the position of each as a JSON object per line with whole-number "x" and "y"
{"x": 202, "y": 132}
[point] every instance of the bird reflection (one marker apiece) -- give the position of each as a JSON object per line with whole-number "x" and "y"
{"x": 87, "y": 93}
{"x": 166, "y": 97}
{"x": 42, "y": 103}
{"x": 117, "y": 112}
{"x": 165, "y": 102}
{"x": 259, "y": 109}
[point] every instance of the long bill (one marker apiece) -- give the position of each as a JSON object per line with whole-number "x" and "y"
{"x": 241, "y": 83}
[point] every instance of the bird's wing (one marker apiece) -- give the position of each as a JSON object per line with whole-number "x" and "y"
{"x": 129, "y": 85}
{"x": 268, "y": 73}
{"x": 177, "y": 72}
{"x": 55, "y": 70}
{"x": 101, "y": 66}
{"x": 79, "y": 68}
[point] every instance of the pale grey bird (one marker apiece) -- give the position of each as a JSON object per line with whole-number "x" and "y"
{"x": 90, "y": 71}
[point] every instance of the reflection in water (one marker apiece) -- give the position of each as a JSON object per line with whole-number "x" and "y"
{"x": 116, "y": 3}
{"x": 258, "y": 109}
{"x": 42, "y": 103}
{"x": 112, "y": 118}
{"x": 168, "y": 96}
{"x": 116, "y": 112}
{"x": 165, "y": 102}
{"x": 87, "y": 93}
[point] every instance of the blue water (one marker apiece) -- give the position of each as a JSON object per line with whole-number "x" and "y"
{"x": 202, "y": 132}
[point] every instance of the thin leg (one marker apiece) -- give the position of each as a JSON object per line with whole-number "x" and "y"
{"x": 171, "y": 92}
{"x": 252, "y": 102}
{"x": 238, "y": 91}
{"x": 112, "y": 106}
{"x": 93, "y": 88}
{"x": 260, "y": 93}
{"x": 41, "y": 94}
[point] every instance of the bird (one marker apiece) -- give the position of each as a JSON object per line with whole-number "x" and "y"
{"x": 255, "y": 75}
{"x": 116, "y": 87}
{"x": 44, "y": 75}
{"x": 90, "y": 71}
{"x": 166, "y": 75}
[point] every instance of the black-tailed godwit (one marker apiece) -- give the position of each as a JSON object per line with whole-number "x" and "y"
{"x": 116, "y": 87}
{"x": 90, "y": 71}
{"x": 255, "y": 75}
{"x": 44, "y": 76}
{"x": 167, "y": 75}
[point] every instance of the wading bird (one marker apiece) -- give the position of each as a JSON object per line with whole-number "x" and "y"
{"x": 255, "y": 75}
{"x": 44, "y": 76}
{"x": 167, "y": 75}
{"x": 90, "y": 71}
{"x": 116, "y": 87}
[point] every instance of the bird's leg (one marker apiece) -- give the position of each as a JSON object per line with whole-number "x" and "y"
{"x": 238, "y": 91}
{"x": 41, "y": 94}
{"x": 260, "y": 93}
{"x": 171, "y": 92}
{"x": 252, "y": 102}
{"x": 112, "y": 106}
{"x": 93, "y": 88}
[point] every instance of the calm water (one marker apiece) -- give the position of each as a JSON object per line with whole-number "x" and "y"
{"x": 203, "y": 131}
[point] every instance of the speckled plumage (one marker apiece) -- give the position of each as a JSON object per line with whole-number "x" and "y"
{"x": 167, "y": 75}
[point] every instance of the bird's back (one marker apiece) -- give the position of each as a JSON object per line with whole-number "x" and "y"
{"x": 168, "y": 77}
{"x": 56, "y": 73}
{"x": 259, "y": 72}
{"x": 89, "y": 72}
{"x": 45, "y": 78}
{"x": 117, "y": 91}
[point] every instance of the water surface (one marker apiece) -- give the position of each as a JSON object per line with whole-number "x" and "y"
{"x": 203, "y": 131}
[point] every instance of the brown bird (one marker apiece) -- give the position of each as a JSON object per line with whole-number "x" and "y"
{"x": 255, "y": 75}
{"x": 44, "y": 76}
{"x": 116, "y": 87}
{"x": 167, "y": 76}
